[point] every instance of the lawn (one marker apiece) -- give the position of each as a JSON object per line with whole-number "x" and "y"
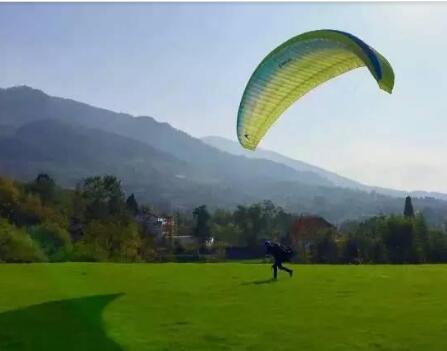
{"x": 72, "y": 306}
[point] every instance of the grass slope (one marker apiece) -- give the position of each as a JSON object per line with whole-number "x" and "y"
{"x": 221, "y": 307}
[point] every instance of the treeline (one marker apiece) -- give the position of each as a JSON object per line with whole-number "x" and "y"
{"x": 41, "y": 222}
{"x": 402, "y": 238}
{"x": 386, "y": 239}
{"x": 249, "y": 226}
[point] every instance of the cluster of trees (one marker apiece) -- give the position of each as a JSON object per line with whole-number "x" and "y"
{"x": 394, "y": 239}
{"x": 249, "y": 226}
{"x": 246, "y": 227}
{"x": 40, "y": 221}
{"x": 385, "y": 239}
{"x": 402, "y": 238}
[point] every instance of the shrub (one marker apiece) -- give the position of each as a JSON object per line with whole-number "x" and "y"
{"x": 54, "y": 240}
{"x": 110, "y": 241}
{"x": 17, "y": 246}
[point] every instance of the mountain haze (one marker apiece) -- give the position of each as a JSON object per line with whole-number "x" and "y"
{"x": 167, "y": 167}
{"x": 234, "y": 148}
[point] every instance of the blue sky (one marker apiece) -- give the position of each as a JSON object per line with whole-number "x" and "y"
{"x": 187, "y": 64}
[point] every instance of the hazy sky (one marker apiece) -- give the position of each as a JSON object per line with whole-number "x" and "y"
{"x": 187, "y": 64}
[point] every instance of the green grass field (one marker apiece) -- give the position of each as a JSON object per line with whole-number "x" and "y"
{"x": 221, "y": 307}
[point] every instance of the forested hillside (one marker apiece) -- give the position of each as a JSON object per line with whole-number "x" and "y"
{"x": 169, "y": 168}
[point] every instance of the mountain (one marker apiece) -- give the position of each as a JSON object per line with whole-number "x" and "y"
{"x": 79, "y": 151}
{"x": 168, "y": 168}
{"x": 21, "y": 105}
{"x": 71, "y": 153}
{"x": 234, "y": 148}
{"x": 72, "y": 140}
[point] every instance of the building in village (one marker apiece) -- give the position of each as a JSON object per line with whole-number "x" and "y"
{"x": 305, "y": 230}
{"x": 161, "y": 227}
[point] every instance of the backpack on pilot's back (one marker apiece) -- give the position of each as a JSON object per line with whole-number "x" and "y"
{"x": 285, "y": 251}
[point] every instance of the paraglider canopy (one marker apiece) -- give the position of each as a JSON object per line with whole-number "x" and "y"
{"x": 298, "y": 66}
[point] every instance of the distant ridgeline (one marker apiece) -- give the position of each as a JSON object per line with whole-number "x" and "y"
{"x": 40, "y": 221}
{"x": 172, "y": 170}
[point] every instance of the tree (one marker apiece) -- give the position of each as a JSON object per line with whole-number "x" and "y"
{"x": 17, "y": 246}
{"x": 324, "y": 248}
{"x": 438, "y": 246}
{"x": 104, "y": 198}
{"x": 367, "y": 239}
{"x": 132, "y": 204}
{"x": 45, "y": 187}
{"x": 201, "y": 228}
{"x": 398, "y": 237}
{"x": 421, "y": 245}
{"x": 408, "y": 210}
{"x": 54, "y": 240}
{"x": 350, "y": 250}
{"x": 109, "y": 241}
{"x": 9, "y": 199}
{"x": 228, "y": 233}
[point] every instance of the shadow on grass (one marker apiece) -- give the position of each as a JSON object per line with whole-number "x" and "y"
{"x": 260, "y": 282}
{"x": 68, "y": 325}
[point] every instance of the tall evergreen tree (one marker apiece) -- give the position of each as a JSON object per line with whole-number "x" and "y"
{"x": 44, "y": 186}
{"x": 132, "y": 204}
{"x": 408, "y": 210}
{"x": 201, "y": 228}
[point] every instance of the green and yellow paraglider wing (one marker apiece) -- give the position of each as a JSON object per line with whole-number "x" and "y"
{"x": 296, "y": 67}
